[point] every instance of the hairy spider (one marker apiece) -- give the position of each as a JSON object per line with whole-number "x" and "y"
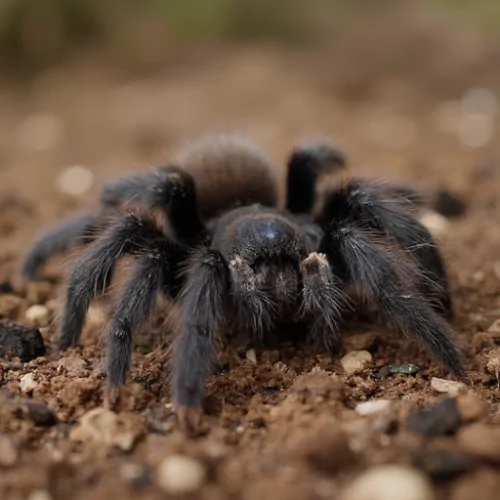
{"x": 233, "y": 257}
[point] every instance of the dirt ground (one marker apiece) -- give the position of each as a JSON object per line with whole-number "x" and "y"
{"x": 285, "y": 424}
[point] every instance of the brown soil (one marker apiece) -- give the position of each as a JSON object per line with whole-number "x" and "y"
{"x": 285, "y": 426}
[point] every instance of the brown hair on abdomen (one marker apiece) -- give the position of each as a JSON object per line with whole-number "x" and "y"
{"x": 229, "y": 171}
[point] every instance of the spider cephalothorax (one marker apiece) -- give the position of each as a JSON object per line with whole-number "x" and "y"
{"x": 247, "y": 262}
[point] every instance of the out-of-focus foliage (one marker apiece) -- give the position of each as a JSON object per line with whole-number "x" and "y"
{"x": 34, "y": 33}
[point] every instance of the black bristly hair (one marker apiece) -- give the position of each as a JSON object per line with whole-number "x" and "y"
{"x": 232, "y": 257}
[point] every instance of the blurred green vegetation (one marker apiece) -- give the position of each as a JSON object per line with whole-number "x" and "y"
{"x": 37, "y": 33}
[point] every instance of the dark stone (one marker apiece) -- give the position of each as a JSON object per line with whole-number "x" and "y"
{"x": 20, "y": 341}
{"x": 449, "y": 204}
{"x": 443, "y": 464}
{"x": 39, "y": 413}
{"x": 6, "y": 287}
{"x": 440, "y": 419}
{"x": 408, "y": 369}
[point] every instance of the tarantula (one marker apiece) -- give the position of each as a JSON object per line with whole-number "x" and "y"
{"x": 231, "y": 256}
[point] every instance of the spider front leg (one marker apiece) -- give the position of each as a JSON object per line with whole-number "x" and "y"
{"x": 92, "y": 273}
{"x": 384, "y": 279}
{"x": 77, "y": 230}
{"x": 363, "y": 203}
{"x": 203, "y": 305}
{"x": 323, "y": 301}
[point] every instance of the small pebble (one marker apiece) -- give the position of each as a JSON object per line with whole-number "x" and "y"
{"x": 407, "y": 369}
{"x": 435, "y": 223}
{"x": 481, "y": 441}
{"x": 20, "y": 341}
{"x": 37, "y": 315}
{"x": 442, "y": 463}
{"x": 447, "y": 386}
{"x": 251, "y": 356}
{"x": 9, "y": 453}
{"x": 449, "y": 204}
{"x": 370, "y": 407}
{"x": 355, "y": 361}
{"x": 479, "y": 100}
{"x": 75, "y": 181}
{"x": 40, "y": 495}
{"x": 27, "y": 383}
{"x": 179, "y": 475}
{"x": 440, "y": 419}
{"x": 390, "y": 482}
{"x": 6, "y": 287}
{"x": 39, "y": 413}
{"x": 105, "y": 428}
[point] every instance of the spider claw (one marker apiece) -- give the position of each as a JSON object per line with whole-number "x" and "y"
{"x": 112, "y": 398}
{"x": 188, "y": 418}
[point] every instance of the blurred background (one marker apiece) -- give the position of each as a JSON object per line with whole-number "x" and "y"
{"x": 89, "y": 88}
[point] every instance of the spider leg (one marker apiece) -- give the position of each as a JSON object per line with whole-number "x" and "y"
{"x": 170, "y": 189}
{"x": 57, "y": 239}
{"x": 91, "y": 274}
{"x": 155, "y": 270}
{"x": 305, "y": 166}
{"x": 202, "y": 310}
{"x": 382, "y": 279}
{"x": 362, "y": 202}
{"x": 323, "y": 301}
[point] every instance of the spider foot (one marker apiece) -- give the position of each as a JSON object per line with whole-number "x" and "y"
{"x": 189, "y": 418}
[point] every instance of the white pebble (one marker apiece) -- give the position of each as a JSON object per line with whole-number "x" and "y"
{"x": 476, "y": 130}
{"x": 27, "y": 383}
{"x": 76, "y": 180}
{"x": 251, "y": 356}
{"x": 40, "y": 495}
{"x": 104, "y": 428}
{"x": 447, "y": 386}
{"x": 355, "y": 361}
{"x": 390, "y": 482}
{"x": 37, "y": 315}
{"x": 179, "y": 474}
{"x": 480, "y": 100}
{"x": 435, "y": 223}
{"x": 369, "y": 407}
